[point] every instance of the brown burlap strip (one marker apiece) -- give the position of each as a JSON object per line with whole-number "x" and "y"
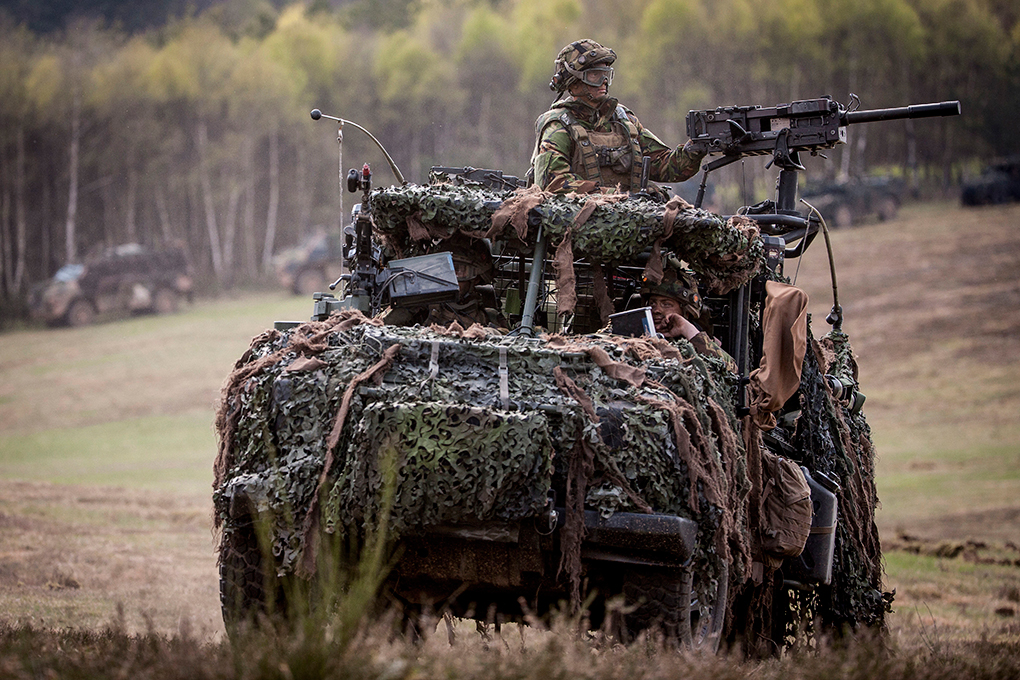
{"x": 566, "y": 281}
{"x": 692, "y": 447}
{"x": 653, "y": 270}
{"x": 605, "y": 305}
{"x": 302, "y": 364}
{"x": 570, "y": 388}
{"x": 579, "y": 473}
{"x": 306, "y": 340}
{"x": 311, "y": 525}
{"x": 514, "y": 213}
{"x": 416, "y": 229}
{"x": 632, "y": 375}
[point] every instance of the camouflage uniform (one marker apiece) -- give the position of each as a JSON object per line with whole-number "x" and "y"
{"x": 585, "y": 147}
{"x": 557, "y": 167}
{"x": 679, "y": 284}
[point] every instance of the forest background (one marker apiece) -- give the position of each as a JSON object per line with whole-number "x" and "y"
{"x": 169, "y": 121}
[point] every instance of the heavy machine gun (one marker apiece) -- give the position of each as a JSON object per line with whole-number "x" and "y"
{"x": 783, "y": 131}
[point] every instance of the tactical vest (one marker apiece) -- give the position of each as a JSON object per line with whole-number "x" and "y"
{"x": 608, "y": 158}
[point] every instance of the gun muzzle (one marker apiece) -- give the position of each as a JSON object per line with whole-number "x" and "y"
{"x": 951, "y": 108}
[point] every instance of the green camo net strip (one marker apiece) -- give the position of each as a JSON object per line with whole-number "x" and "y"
{"x": 602, "y": 228}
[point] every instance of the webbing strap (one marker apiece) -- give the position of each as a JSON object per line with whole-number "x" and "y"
{"x": 504, "y": 380}
{"x": 635, "y": 147}
{"x": 434, "y": 361}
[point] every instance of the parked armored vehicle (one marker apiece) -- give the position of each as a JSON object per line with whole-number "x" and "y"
{"x": 998, "y": 183}
{"x": 312, "y": 264}
{"x": 856, "y": 200}
{"x": 127, "y": 279}
{"x": 571, "y": 457}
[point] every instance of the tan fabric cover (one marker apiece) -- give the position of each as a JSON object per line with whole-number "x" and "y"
{"x": 784, "y": 345}
{"x": 785, "y": 506}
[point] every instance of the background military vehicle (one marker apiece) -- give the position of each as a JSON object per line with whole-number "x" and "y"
{"x": 308, "y": 266}
{"x": 856, "y": 200}
{"x": 999, "y": 182}
{"x": 129, "y": 278}
{"x": 567, "y": 462}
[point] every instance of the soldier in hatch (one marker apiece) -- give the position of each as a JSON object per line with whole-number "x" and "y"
{"x": 473, "y": 264}
{"x": 588, "y": 142}
{"x": 676, "y": 311}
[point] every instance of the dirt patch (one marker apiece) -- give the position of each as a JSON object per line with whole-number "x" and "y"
{"x": 73, "y": 557}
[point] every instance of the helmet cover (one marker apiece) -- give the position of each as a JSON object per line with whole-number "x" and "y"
{"x": 577, "y": 57}
{"x": 680, "y": 285}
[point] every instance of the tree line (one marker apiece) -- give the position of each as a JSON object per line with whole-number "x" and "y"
{"x": 197, "y": 131}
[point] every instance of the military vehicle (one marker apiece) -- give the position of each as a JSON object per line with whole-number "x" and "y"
{"x": 574, "y": 459}
{"x": 126, "y": 279}
{"x": 999, "y": 182}
{"x": 307, "y": 267}
{"x": 855, "y": 201}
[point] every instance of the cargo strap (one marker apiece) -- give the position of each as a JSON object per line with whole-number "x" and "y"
{"x": 434, "y": 361}
{"x": 504, "y": 380}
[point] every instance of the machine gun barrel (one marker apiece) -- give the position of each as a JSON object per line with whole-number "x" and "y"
{"x": 951, "y": 108}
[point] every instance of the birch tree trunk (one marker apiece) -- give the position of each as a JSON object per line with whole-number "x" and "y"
{"x": 130, "y": 224}
{"x": 251, "y": 265}
{"x": 70, "y": 246}
{"x": 202, "y": 141}
{"x": 274, "y": 200}
{"x": 230, "y": 229}
{"x": 20, "y": 218}
{"x": 6, "y": 255}
{"x": 164, "y": 214}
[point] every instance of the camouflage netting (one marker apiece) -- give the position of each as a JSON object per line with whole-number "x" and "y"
{"x": 838, "y": 443}
{"x": 312, "y": 415}
{"x": 599, "y": 228}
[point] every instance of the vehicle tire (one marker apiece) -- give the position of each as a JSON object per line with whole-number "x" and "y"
{"x": 309, "y": 281}
{"x": 243, "y": 580}
{"x": 668, "y": 598}
{"x": 80, "y": 313}
{"x": 165, "y": 301}
{"x": 886, "y": 207}
{"x": 843, "y": 217}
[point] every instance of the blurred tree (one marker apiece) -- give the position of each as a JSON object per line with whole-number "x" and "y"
{"x": 17, "y": 54}
{"x": 418, "y": 94}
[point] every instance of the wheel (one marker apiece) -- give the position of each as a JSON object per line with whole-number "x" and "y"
{"x": 669, "y": 598}
{"x": 309, "y": 281}
{"x": 80, "y": 313}
{"x": 843, "y": 217}
{"x": 243, "y": 579}
{"x": 886, "y": 207}
{"x": 165, "y": 302}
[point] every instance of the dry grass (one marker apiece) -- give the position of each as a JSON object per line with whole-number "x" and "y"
{"x": 106, "y": 450}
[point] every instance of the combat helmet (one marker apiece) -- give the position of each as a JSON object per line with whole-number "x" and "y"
{"x": 679, "y": 283}
{"x": 580, "y": 56}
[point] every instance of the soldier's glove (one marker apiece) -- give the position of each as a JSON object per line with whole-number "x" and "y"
{"x": 693, "y": 153}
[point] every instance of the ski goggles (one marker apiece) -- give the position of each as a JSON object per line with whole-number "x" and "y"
{"x": 596, "y": 76}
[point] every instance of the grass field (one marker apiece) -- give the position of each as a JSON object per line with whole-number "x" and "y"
{"x": 106, "y": 441}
